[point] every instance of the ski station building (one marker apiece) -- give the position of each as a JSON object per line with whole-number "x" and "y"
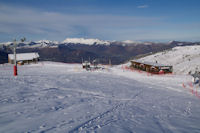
{"x": 151, "y": 67}
{"x": 24, "y": 58}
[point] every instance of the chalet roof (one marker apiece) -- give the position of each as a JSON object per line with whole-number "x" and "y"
{"x": 150, "y": 63}
{"x": 24, "y": 56}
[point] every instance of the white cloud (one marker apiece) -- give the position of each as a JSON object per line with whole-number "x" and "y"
{"x": 40, "y": 24}
{"x": 18, "y": 20}
{"x": 143, "y": 6}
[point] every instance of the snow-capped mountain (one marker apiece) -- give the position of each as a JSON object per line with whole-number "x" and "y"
{"x": 42, "y": 44}
{"x": 184, "y": 59}
{"x": 75, "y": 41}
{"x": 130, "y": 42}
{"x": 48, "y": 43}
{"x": 89, "y": 42}
{"x": 86, "y": 41}
{"x": 32, "y": 44}
{"x": 5, "y": 43}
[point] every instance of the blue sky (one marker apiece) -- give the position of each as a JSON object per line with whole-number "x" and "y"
{"x": 140, "y": 20}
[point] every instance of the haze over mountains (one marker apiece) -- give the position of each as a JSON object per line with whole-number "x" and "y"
{"x": 72, "y": 50}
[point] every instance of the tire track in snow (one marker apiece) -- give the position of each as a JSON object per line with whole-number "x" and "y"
{"x": 90, "y": 124}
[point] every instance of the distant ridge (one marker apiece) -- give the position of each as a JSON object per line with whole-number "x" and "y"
{"x": 72, "y": 50}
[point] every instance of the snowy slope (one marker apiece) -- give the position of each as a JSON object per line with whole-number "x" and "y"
{"x": 58, "y": 97}
{"x": 183, "y": 59}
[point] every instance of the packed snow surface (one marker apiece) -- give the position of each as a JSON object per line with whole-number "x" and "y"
{"x": 57, "y": 97}
{"x": 183, "y": 59}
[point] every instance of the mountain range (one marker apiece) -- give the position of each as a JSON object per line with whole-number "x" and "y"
{"x": 74, "y": 50}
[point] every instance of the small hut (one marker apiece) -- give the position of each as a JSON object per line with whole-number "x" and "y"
{"x": 151, "y": 67}
{"x": 24, "y": 58}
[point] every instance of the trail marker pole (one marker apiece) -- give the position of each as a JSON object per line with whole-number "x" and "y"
{"x": 15, "y": 58}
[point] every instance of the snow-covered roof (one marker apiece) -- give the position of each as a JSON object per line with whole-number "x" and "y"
{"x": 24, "y": 56}
{"x": 150, "y": 63}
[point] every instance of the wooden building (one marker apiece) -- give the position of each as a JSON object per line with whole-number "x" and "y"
{"x": 151, "y": 67}
{"x": 24, "y": 58}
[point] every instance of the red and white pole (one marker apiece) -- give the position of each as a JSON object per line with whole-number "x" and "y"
{"x": 15, "y": 59}
{"x": 15, "y": 70}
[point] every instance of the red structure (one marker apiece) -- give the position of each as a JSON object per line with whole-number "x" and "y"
{"x": 15, "y": 70}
